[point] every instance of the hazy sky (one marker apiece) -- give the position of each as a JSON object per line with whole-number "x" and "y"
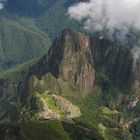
{"x": 109, "y": 14}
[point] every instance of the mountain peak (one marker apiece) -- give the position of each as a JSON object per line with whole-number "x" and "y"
{"x": 70, "y": 58}
{"x": 80, "y": 40}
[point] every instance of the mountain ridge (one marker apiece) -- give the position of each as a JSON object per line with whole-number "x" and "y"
{"x": 16, "y": 43}
{"x": 65, "y": 71}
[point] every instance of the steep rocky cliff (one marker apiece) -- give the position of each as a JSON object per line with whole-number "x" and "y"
{"x": 91, "y": 81}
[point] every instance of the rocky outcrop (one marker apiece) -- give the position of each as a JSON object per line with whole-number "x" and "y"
{"x": 57, "y": 107}
{"x": 131, "y": 102}
{"x": 44, "y": 97}
{"x": 69, "y": 110}
{"x": 77, "y": 63}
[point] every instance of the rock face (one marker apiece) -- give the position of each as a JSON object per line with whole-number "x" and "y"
{"x": 70, "y": 58}
{"x": 77, "y": 63}
{"x": 117, "y": 61}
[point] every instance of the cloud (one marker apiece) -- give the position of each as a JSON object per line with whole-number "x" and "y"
{"x": 107, "y": 14}
{"x": 1, "y": 6}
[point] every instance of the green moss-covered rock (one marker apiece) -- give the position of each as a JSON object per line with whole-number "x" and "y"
{"x": 49, "y": 106}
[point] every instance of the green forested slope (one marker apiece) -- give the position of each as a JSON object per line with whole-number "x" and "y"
{"x": 20, "y": 41}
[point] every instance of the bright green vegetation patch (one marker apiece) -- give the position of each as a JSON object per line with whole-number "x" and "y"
{"x": 48, "y": 102}
{"x": 52, "y": 104}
